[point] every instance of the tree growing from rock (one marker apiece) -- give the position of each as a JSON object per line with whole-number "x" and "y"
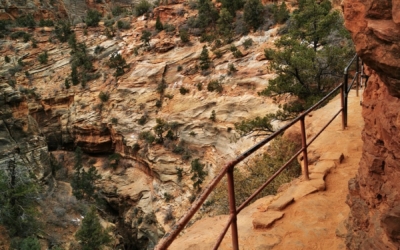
{"x": 198, "y": 173}
{"x": 91, "y": 234}
{"x": 204, "y": 59}
{"x": 19, "y": 192}
{"x": 253, "y": 13}
{"x": 145, "y": 38}
{"x": 118, "y": 63}
{"x": 92, "y": 18}
{"x": 308, "y": 61}
{"x": 83, "y": 182}
{"x": 225, "y": 24}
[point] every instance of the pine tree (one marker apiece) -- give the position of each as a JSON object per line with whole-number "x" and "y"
{"x": 17, "y": 200}
{"x": 314, "y": 21}
{"x": 91, "y": 235}
{"x": 83, "y": 182}
{"x": 204, "y": 59}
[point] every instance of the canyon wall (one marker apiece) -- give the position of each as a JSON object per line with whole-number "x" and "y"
{"x": 374, "y": 197}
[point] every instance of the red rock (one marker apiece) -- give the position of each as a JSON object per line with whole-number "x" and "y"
{"x": 374, "y": 196}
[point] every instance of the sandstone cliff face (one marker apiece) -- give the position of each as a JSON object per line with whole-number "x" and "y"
{"x": 20, "y": 136}
{"x": 374, "y": 198}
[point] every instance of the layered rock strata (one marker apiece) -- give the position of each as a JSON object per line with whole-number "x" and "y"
{"x": 374, "y": 198}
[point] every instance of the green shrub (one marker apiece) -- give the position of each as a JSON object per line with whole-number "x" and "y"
{"x": 142, "y": 7}
{"x": 34, "y": 43}
{"x": 63, "y": 31}
{"x": 117, "y": 10}
{"x": 46, "y": 23}
{"x": 20, "y": 34}
{"x": 218, "y": 53}
{"x": 231, "y": 68}
{"x": 215, "y": 85}
{"x": 142, "y": 120}
{"x": 213, "y": 116}
{"x": 184, "y": 35}
{"x": 168, "y": 197}
{"x": 248, "y": 43}
{"x": 183, "y": 90}
{"x": 145, "y": 38}
{"x": 159, "y": 25}
{"x": 7, "y": 59}
{"x": 43, "y": 58}
{"x": 98, "y": 49}
{"x": 122, "y": 25}
{"x": 66, "y": 83}
{"x": 26, "y": 21}
{"x": 169, "y": 27}
{"x": 257, "y": 171}
{"x": 147, "y": 136}
{"x": 92, "y": 18}
{"x": 199, "y": 86}
{"x": 118, "y": 63}
{"x": 104, "y": 96}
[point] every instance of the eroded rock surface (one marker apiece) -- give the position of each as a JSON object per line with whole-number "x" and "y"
{"x": 374, "y": 196}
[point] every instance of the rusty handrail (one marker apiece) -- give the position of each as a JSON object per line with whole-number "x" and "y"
{"x": 229, "y": 167}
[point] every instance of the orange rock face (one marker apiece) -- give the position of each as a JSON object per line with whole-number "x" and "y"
{"x": 374, "y": 197}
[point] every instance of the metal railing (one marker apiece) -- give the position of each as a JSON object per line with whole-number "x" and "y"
{"x": 168, "y": 238}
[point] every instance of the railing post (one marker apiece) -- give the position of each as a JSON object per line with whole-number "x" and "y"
{"x": 342, "y": 93}
{"x": 304, "y": 145}
{"x": 345, "y": 83}
{"x": 358, "y": 74}
{"x": 232, "y": 209}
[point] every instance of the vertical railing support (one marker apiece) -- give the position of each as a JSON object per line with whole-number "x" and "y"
{"x": 304, "y": 145}
{"x": 342, "y": 93}
{"x": 232, "y": 209}
{"x": 358, "y": 74}
{"x": 345, "y": 83}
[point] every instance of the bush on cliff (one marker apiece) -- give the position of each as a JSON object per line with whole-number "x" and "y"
{"x": 257, "y": 171}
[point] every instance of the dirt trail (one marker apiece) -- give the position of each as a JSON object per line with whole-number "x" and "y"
{"x": 315, "y": 220}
